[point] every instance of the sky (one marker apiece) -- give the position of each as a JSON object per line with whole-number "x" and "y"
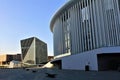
{"x": 21, "y": 19}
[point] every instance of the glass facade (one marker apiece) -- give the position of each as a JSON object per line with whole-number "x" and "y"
{"x": 34, "y": 51}
{"x": 83, "y": 25}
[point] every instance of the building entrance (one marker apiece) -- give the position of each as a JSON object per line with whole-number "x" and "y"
{"x": 57, "y": 64}
{"x": 108, "y": 61}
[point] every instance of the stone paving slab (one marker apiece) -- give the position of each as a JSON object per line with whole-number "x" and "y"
{"x": 40, "y": 74}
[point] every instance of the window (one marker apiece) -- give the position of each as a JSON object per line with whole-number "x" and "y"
{"x": 66, "y": 26}
{"x": 119, "y": 4}
{"x": 85, "y": 14}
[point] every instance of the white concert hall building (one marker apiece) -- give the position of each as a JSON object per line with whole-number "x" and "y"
{"x": 86, "y": 34}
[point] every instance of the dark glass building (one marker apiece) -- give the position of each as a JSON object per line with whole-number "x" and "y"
{"x": 34, "y": 51}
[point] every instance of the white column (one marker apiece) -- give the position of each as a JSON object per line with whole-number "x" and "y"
{"x": 34, "y": 50}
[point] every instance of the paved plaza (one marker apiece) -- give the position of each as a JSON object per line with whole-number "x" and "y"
{"x": 47, "y": 74}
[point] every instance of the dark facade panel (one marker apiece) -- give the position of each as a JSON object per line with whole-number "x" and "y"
{"x": 25, "y": 45}
{"x": 109, "y": 61}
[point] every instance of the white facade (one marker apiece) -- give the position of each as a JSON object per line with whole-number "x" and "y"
{"x": 81, "y": 27}
{"x": 79, "y": 61}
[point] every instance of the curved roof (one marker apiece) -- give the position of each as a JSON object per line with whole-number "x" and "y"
{"x": 60, "y": 11}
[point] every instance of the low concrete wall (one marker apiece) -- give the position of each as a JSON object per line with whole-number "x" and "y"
{"x": 79, "y": 61}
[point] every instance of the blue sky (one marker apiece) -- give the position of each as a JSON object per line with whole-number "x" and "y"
{"x": 20, "y": 19}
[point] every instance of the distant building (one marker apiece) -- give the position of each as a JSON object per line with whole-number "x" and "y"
{"x": 86, "y": 34}
{"x": 15, "y": 64}
{"x": 6, "y": 58}
{"x": 34, "y": 51}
